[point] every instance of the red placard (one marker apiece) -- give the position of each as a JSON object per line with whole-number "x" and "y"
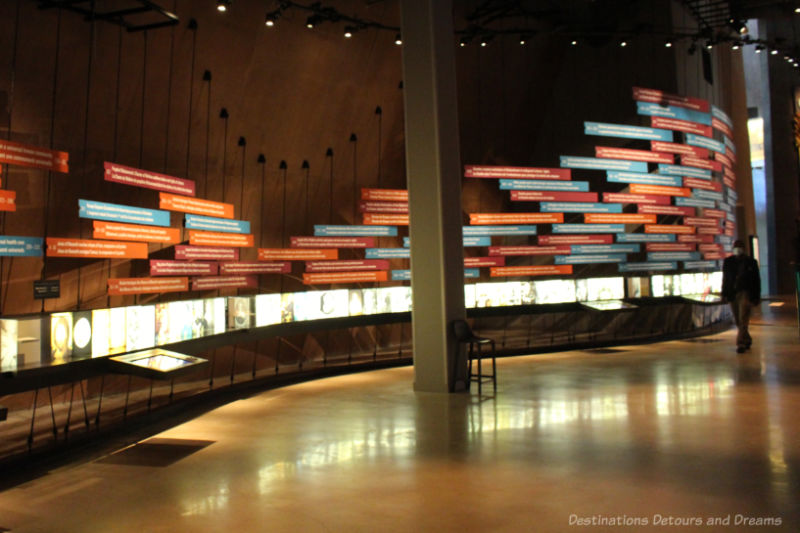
{"x": 537, "y": 270}
{"x": 709, "y": 231}
{"x": 626, "y": 198}
{"x": 205, "y": 253}
{"x": 668, "y": 228}
{"x": 118, "y": 231}
{"x": 248, "y": 267}
{"x": 515, "y": 218}
{"x": 215, "y": 238}
{"x": 696, "y": 238}
{"x": 8, "y": 200}
{"x": 670, "y": 247}
{"x": 520, "y": 173}
{"x": 529, "y": 250}
{"x": 696, "y": 162}
{"x": 678, "y": 210}
{"x": 717, "y": 124}
{"x": 729, "y": 173}
{"x": 677, "y": 148}
{"x": 724, "y": 159}
{"x": 24, "y": 155}
{"x": 700, "y": 221}
{"x": 383, "y": 207}
{"x": 575, "y": 239}
{"x": 318, "y": 278}
{"x": 88, "y": 248}
{"x": 384, "y": 219}
{"x": 167, "y": 267}
{"x": 385, "y": 195}
{"x": 730, "y": 154}
{"x": 297, "y": 254}
{"x": 224, "y": 282}
{"x": 713, "y": 255}
{"x": 197, "y": 206}
{"x": 148, "y": 180}
{"x": 729, "y": 225}
{"x": 697, "y": 183}
{"x": 660, "y": 97}
{"x": 680, "y": 125}
{"x": 347, "y": 265}
{"x": 607, "y": 152}
{"x": 713, "y": 213}
{"x": 729, "y": 232}
{"x": 553, "y": 196}
{"x": 618, "y": 218}
{"x": 664, "y": 190}
{"x": 332, "y": 242}
{"x": 711, "y": 248}
{"x": 476, "y": 262}
{"x": 729, "y": 182}
{"x": 122, "y": 286}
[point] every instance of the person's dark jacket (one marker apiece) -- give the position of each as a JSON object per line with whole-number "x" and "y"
{"x": 740, "y": 273}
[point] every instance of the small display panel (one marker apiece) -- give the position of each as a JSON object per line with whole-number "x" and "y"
{"x": 268, "y": 309}
{"x": 608, "y": 305}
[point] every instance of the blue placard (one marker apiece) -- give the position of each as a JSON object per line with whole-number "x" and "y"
{"x": 475, "y": 231}
{"x": 543, "y": 185}
{"x": 706, "y": 195}
{"x": 729, "y": 143}
{"x": 705, "y": 142}
{"x": 605, "y": 248}
{"x": 700, "y": 265}
{"x": 673, "y": 256}
{"x": 680, "y": 113}
{"x": 20, "y": 246}
{"x": 579, "y": 207}
{"x": 401, "y": 275}
{"x": 626, "y": 132}
{"x": 731, "y": 193}
{"x": 635, "y": 267}
{"x": 681, "y": 170}
{"x": 646, "y": 237}
{"x": 726, "y": 207}
{"x": 225, "y": 225}
{"x": 323, "y": 230}
{"x": 725, "y": 239}
{"x": 122, "y": 213}
{"x": 693, "y": 202}
{"x": 589, "y": 259}
{"x": 472, "y": 273}
{"x": 598, "y": 163}
{"x": 387, "y": 253}
{"x": 641, "y": 177}
{"x": 721, "y": 115}
{"x": 588, "y": 228}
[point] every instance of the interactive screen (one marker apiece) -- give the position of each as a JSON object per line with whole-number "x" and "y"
{"x": 268, "y": 309}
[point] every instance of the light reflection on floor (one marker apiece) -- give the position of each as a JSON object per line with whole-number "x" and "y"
{"x": 676, "y": 429}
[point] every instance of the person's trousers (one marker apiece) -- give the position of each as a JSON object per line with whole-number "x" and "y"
{"x": 741, "y": 307}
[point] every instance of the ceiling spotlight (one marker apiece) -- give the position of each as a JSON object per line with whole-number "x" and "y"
{"x": 774, "y": 52}
{"x": 759, "y": 48}
{"x": 797, "y": 10}
{"x": 464, "y": 41}
{"x": 709, "y": 45}
{"x": 271, "y": 18}
{"x": 349, "y": 31}
{"x": 398, "y": 40}
{"x": 623, "y": 44}
{"x": 574, "y": 42}
{"x": 522, "y": 40}
{"x": 223, "y": 5}
{"x": 311, "y": 22}
{"x": 736, "y": 45}
{"x": 668, "y": 43}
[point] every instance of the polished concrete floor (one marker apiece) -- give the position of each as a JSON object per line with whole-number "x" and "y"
{"x": 634, "y": 438}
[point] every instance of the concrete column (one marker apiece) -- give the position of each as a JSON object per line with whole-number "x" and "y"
{"x": 433, "y": 165}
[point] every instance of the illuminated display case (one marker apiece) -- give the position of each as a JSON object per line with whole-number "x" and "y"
{"x": 82, "y": 334}
{"x": 240, "y": 312}
{"x": 60, "y": 336}
{"x": 555, "y": 291}
{"x": 117, "y": 336}
{"x": 268, "y": 309}
{"x": 140, "y": 324}
{"x": 316, "y": 305}
{"x": 9, "y": 335}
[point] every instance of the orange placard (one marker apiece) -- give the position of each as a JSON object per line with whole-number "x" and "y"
{"x": 380, "y": 219}
{"x": 538, "y": 270}
{"x": 24, "y": 155}
{"x": 117, "y": 231}
{"x": 385, "y": 195}
{"x": 664, "y": 190}
{"x": 315, "y": 278}
{"x": 215, "y": 238}
{"x": 515, "y": 218}
{"x": 197, "y": 206}
{"x": 618, "y": 218}
{"x": 62, "y": 247}
{"x": 668, "y": 228}
{"x": 8, "y": 200}
{"x": 297, "y": 254}
{"x": 122, "y": 286}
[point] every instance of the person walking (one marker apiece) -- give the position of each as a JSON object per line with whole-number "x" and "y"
{"x": 741, "y": 287}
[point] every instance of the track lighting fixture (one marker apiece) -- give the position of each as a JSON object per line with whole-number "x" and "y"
{"x": 709, "y": 45}
{"x": 311, "y": 21}
{"x": 223, "y": 5}
{"x": 668, "y": 43}
{"x": 398, "y": 40}
{"x": 349, "y": 31}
